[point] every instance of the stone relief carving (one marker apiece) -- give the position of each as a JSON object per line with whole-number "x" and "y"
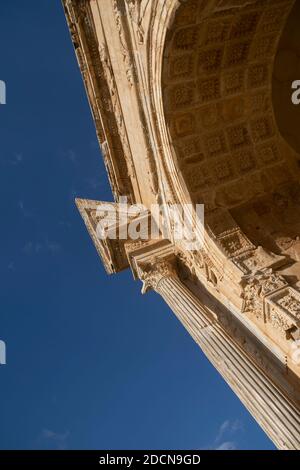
{"x": 103, "y": 97}
{"x": 154, "y": 271}
{"x": 152, "y": 172}
{"x": 212, "y": 272}
{"x": 256, "y": 287}
{"x": 279, "y": 321}
{"x": 290, "y": 303}
{"x": 252, "y": 303}
{"x": 136, "y": 14}
{"x": 234, "y": 242}
{"x": 115, "y": 106}
{"x": 268, "y": 297}
{"x": 258, "y": 259}
{"x": 283, "y": 310}
{"x": 130, "y": 71}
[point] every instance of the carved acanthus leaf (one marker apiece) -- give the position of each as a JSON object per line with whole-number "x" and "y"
{"x": 153, "y": 272}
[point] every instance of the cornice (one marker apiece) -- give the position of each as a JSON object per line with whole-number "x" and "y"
{"x": 95, "y": 66}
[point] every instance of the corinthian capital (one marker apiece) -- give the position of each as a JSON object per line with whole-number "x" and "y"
{"x": 153, "y": 272}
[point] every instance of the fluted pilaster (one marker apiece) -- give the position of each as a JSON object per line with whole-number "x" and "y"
{"x": 276, "y": 414}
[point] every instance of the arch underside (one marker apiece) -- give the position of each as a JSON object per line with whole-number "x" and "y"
{"x": 218, "y": 70}
{"x": 217, "y": 90}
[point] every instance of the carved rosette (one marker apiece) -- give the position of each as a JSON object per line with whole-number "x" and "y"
{"x": 152, "y": 273}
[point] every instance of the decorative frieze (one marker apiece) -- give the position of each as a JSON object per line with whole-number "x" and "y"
{"x": 291, "y": 303}
{"x": 258, "y": 259}
{"x": 136, "y": 15}
{"x": 283, "y": 309}
{"x": 129, "y": 66}
{"x": 256, "y": 288}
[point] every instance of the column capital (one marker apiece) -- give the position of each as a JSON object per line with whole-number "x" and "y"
{"x": 154, "y": 271}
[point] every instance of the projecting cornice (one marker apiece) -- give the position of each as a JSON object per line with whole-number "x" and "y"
{"x": 99, "y": 80}
{"x": 117, "y": 231}
{"x": 110, "y": 251}
{"x": 118, "y": 90}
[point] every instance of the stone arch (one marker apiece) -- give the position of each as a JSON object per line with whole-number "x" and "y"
{"x": 217, "y": 96}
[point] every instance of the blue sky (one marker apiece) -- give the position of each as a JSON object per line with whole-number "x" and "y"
{"x": 91, "y": 363}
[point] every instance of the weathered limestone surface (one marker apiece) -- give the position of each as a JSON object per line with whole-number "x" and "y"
{"x": 187, "y": 101}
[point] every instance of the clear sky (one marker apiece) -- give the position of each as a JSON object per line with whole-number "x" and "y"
{"x": 91, "y": 363}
